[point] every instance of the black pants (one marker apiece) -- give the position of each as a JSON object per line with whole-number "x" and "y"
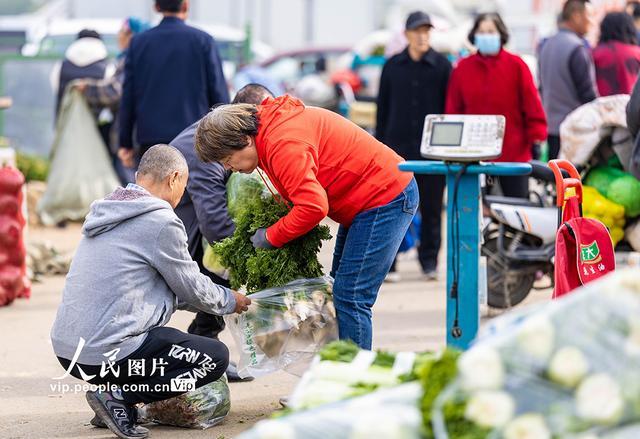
{"x": 554, "y": 146}
{"x": 167, "y": 353}
{"x": 431, "y": 188}
{"x": 207, "y": 325}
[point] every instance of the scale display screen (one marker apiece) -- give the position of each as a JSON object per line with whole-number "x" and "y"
{"x": 462, "y": 137}
{"x": 446, "y": 133}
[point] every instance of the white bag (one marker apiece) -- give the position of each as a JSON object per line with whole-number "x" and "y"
{"x": 81, "y": 170}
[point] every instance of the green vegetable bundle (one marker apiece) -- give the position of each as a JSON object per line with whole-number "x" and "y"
{"x": 260, "y": 269}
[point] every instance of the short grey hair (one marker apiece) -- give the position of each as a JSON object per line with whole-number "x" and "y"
{"x": 160, "y": 161}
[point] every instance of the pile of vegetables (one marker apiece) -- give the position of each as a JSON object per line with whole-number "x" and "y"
{"x": 433, "y": 370}
{"x": 567, "y": 370}
{"x": 349, "y": 392}
{"x": 13, "y": 269}
{"x": 201, "y": 408}
{"x": 260, "y": 269}
{"x": 564, "y": 369}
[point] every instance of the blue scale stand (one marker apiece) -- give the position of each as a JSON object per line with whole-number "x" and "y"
{"x": 468, "y": 248}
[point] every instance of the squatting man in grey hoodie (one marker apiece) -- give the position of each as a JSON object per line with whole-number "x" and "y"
{"x": 130, "y": 273}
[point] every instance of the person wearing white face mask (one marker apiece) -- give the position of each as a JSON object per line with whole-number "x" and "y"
{"x": 495, "y": 81}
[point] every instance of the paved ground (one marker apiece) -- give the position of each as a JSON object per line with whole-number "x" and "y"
{"x": 409, "y": 315}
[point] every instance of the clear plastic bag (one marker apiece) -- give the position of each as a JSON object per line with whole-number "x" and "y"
{"x": 563, "y": 369}
{"x": 243, "y": 187}
{"x": 201, "y": 408}
{"x": 284, "y": 327}
{"x": 386, "y": 414}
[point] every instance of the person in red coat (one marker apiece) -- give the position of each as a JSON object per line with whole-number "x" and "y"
{"x": 324, "y": 165}
{"x": 617, "y": 56}
{"x": 495, "y": 81}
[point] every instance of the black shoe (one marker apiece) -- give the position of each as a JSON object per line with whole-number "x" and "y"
{"x": 232, "y": 374}
{"x": 97, "y": 422}
{"x": 116, "y": 415}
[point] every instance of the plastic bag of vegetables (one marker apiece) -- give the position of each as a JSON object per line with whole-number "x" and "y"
{"x": 402, "y": 410}
{"x": 341, "y": 370}
{"x": 568, "y": 368}
{"x": 387, "y": 414}
{"x": 201, "y": 408}
{"x": 284, "y": 327}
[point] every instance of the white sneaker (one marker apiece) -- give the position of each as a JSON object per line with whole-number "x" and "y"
{"x": 392, "y": 277}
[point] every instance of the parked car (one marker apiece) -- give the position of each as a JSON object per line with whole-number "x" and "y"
{"x": 290, "y": 67}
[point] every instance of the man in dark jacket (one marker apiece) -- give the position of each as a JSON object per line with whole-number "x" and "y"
{"x": 203, "y": 210}
{"x": 567, "y": 73}
{"x": 414, "y": 84}
{"x": 173, "y": 76}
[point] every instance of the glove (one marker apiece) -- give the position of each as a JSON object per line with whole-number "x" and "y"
{"x": 259, "y": 239}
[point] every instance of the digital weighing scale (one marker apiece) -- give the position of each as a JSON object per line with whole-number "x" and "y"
{"x": 462, "y": 138}
{"x": 460, "y": 142}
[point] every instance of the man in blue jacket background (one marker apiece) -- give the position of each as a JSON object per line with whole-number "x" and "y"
{"x": 172, "y": 77}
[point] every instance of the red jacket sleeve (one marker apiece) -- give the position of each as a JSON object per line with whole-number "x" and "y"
{"x": 535, "y": 120}
{"x": 454, "y": 102}
{"x": 293, "y": 165}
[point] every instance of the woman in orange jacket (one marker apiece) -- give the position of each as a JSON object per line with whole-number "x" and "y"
{"x": 325, "y": 166}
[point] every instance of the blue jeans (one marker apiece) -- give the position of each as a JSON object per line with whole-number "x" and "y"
{"x": 362, "y": 257}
